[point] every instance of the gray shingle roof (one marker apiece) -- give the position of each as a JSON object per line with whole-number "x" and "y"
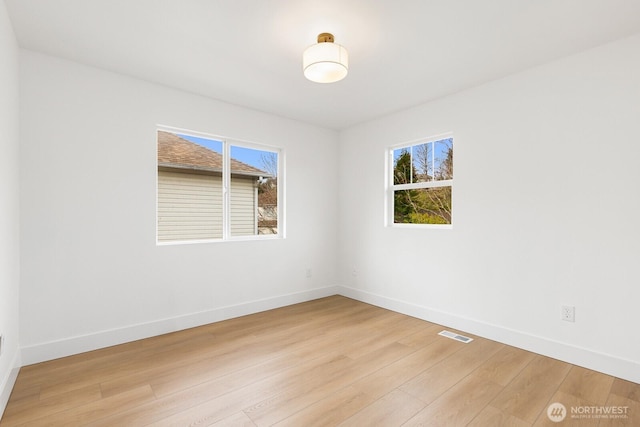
{"x": 176, "y": 152}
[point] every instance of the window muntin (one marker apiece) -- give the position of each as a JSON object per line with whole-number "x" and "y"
{"x": 421, "y": 180}
{"x": 215, "y": 189}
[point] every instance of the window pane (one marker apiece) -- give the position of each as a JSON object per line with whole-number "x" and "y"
{"x": 443, "y": 159}
{"x": 422, "y": 206}
{"x": 189, "y": 188}
{"x": 254, "y": 192}
{"x": 422, "y": 156}
{"x": 402, "y": 173}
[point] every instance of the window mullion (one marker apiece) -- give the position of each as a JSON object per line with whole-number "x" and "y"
{"x": 226, "y": 190}
{"x": 426, "y": 184}
{"x": 433, "y": 161}
{"x": 411, "y": 166}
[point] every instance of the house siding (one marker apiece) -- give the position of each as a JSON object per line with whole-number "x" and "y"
{"x": 190, "y": 206}
{"x": 243, "y": 207}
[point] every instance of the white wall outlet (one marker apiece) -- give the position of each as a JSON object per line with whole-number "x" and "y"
{"x": 568, "y": 313}
{"x": 309, "y": 272}
{"x": 1, "y": 343}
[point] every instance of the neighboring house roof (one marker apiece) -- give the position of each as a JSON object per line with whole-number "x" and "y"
{"x": 176, "y": 152}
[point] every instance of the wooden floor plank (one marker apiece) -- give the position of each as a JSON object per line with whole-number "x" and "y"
{"x": 393, "y": 409}
{"x": 239, "y": 419}
{"x": 429, "y": 385}
{"x": 529, "y": 392}
{"x": 21, "y": 412}
{"x": 458, "y": 405}
{"x": 568, "y": 401}
{"x": 83, "y": 414}
{"x": 503, "y": 366}
{"x": 626, "y": 389}
{"x": 586, "y": 384}
{"x": 230, "y": 394}
{"x": 423, "y": 336}
{"x": 303, "y": 394}
{"x": 493, "y": 417}
{"x": 331, "y": 410}
{"x": 628, "y": 412}
{"x": 328, "y": 362}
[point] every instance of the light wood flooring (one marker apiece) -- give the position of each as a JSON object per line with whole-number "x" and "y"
{"x": 332, "y": 361}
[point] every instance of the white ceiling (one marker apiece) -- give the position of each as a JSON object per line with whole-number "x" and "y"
{"x": 248, "y": 52}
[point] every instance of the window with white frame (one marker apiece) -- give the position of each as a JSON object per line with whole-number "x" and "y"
{"x": 420, "y": 181}
{"x": 211, "y": 188}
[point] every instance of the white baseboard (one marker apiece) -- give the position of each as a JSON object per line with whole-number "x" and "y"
{"x": 601, "y": 362}
{"x": 6, "y": 386}
{"x": 79, "y": 344}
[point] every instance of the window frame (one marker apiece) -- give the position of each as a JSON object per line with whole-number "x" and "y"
{"x": 391, "y": 187}
{"x": 227, "y": 143}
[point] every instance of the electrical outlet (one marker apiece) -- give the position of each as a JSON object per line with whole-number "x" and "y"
{"x": 1, "y": 343}
{"x": 568, "y": 313}
{"x": 309, "y": 272}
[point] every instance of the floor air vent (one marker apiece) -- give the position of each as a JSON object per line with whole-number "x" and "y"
{"x": 455, "y": 336}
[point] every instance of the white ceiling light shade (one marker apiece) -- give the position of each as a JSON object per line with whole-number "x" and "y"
{"x": 325, "y": 62}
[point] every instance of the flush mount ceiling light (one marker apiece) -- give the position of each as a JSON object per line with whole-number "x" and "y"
{"x": 325, "y": 62}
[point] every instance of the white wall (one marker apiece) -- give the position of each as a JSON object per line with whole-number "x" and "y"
{"x": 92, "y": 274}
{"x": 546, "y": 211}
{"x": 9, "y": 208}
